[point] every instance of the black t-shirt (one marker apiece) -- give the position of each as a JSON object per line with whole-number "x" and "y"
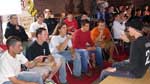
{"x": 139, "y": 57}
{"x": 51, "y": 24}
{"x": 35, "y": 50}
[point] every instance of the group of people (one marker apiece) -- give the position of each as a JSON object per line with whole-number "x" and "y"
{"x": 53, "y": 44}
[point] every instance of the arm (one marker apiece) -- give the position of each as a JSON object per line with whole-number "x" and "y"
{"x": 8, "y": 32}
{"x": 24, "y": 35}
{"x": 14, "y": 80}
{"x": 62, "y": 45}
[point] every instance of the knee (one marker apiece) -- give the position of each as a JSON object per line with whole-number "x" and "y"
{"x": 78, "y": 56}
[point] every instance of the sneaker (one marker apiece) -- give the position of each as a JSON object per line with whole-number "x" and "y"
{"x": 49, "y": 82}
{"x": 88, "y": 74}
{"x": 77, "y": 77}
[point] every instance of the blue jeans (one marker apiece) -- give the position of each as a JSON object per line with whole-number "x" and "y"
{"x": 76, "y": 65}
{"x": 99, "y": 57}
{"x": 29, "y": 77}
{"x": 85, "y": 58}
{"x": 118, "y": 73}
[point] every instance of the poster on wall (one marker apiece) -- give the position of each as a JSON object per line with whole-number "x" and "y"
{"x": 8, "y": 7}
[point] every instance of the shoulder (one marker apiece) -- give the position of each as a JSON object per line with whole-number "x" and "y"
{"x": 4, "y": 55}
{"x": 95, "y": 29}
{"x": 32, "y": 45}
{"x": 55, "y": 37}
{"x": 45, "y": 44}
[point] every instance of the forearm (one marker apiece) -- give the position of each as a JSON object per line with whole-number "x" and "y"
{"x": 31, "y": 64}
{"x": 72, "y": 50}
{"x": 63, "y": 45}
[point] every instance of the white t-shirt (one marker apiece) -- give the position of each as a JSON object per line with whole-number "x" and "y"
{"x": 118, "y": 29}
{"x": 57, "y": 40}
{"x": 35, "y": 25}
{"x": 9, "y": 66}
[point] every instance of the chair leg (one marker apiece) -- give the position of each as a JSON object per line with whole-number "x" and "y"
{"x": 69, "y": 67}
{"x": 56, "y": 76}
{"x": 90, "y": 65}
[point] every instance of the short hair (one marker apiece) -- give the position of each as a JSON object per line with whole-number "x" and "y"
{"x": 11, "y": 16}
{"x": 39, "y": 31}
{"x": 101, "y": 21}
{"x": 85, "y": 22}
{"x": 45, "y": 10}
{"x": 12, "y": 40}
{"x": 39, "y": 15}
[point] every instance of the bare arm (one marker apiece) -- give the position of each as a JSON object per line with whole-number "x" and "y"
{"x": 61, "y": 46}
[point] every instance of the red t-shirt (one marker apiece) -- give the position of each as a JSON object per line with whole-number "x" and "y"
{"x": 80, "y": 39}
{"x": 72, "y": 25}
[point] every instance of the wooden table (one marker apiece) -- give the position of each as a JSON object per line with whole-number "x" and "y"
{"x": 121, "y": 80}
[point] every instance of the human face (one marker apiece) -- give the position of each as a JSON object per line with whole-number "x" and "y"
{"x": 47, "y": 12}
{"x": 63, "y": 30}
{"x": 70, "y": 17}
{"x": 14, "y": 20}
{"x": 17, "y": 48}
{"x": 44, "y": 35}
{"x": 131, "y": 31}
{"x": 86, "y": 27}
{"x": 101, "y": 25}
{"x": 41, "y": 18}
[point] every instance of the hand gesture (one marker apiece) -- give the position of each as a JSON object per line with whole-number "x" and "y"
{"x": 39, "y": 58}
{"x": 124, "y": 37}
{"x": 110, "y": 69}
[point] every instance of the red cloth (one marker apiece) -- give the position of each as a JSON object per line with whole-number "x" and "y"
{"x": 72, "y": 25}
{"x": 81, "y": 38}
{"x": 4, "y": 47}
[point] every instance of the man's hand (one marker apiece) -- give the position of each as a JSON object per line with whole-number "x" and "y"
{"x": 52, "y": 61}
{"x": 69, "y": 36}
{"x": 124, "y": 37}
{"x": 91, "y": 48}
{"x": 110, "y": 69}
{"x": 39, "y": 58}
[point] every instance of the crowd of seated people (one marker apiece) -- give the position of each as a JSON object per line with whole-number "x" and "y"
{"x": 72, "y": 40}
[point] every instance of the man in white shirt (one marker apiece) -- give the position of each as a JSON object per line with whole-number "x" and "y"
{"x": 61, "y": 46}
{"x": 10, "y": 65}
{"x": 35, "y": 25}
{"x": 117, "y": 27}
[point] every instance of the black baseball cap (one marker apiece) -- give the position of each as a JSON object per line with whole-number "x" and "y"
{"x": 136, "y": 24}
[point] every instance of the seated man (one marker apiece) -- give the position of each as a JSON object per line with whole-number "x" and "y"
{"x": 82, "y": 42}
{"x": 139, "y": 61}
{"x": 10, "y": 65}
{"x": 39, "y": 48}
{"x": 35, "y": 25}
{"x": 61, "y": 45}
{"x": 14, "y": 29}
{"x": 101, "y": 36}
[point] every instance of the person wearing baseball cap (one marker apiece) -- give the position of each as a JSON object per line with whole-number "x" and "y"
{"x": 138, "y": 62}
